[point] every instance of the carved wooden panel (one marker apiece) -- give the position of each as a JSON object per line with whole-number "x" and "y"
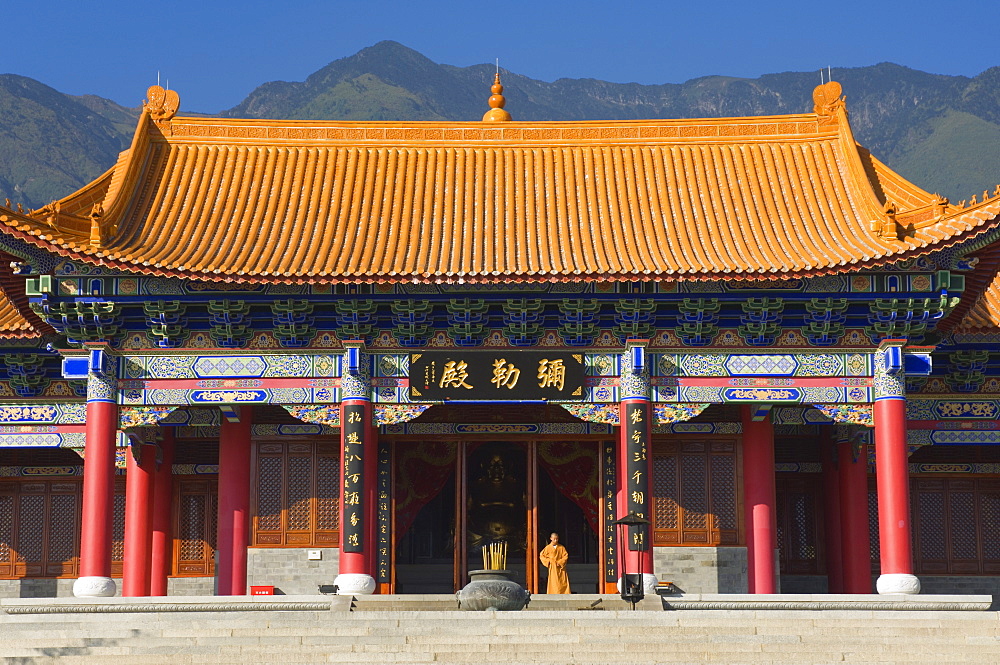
{"x": 295, "y": 502}
{"x": 39, "y": 528}
{"x": 798, "y": 499}
{"x": 195, "y": 518}
{"x": 955, "y": 527}
{"x": 118, "y": 529}
{"x": 695, "y": 492}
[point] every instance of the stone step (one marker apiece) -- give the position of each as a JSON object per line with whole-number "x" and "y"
{"x": 383, "y": 633}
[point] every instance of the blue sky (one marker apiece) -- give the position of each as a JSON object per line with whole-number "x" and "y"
{"x": 215, "y": 53}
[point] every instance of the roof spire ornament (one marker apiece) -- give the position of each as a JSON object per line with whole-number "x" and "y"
{"x": 161, "y": 104}
{"x": 497, "y": 101}
{"x": 827, "y": 101}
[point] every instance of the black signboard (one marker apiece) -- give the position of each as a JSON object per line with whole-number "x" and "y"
{"x": 637, "y": 499}
{"x": 496, "y": 375}
{"x": 610, "y": 537}
{"x": 353, "y": 520}
{"x": 383, "y": 559}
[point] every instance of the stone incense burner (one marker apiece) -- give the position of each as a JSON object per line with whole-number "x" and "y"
{"x": 492, "y": 590}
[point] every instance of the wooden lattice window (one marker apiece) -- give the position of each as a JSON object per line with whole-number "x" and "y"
{"x": 196, "y": 515}
{"x": 295, "y": 494}
{"x": 39, "y": 528}
{"x": 798, "y": 508}
{"x": 875, "y": 546}
{"x": 956, "y": 525}
{"x": 118, "y": 528}
{"x": 695, "y": 492}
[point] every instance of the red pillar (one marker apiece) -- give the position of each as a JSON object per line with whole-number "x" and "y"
{"x": 856, "y": 541}
{"x": 892, "y": 476}
{"x": 831, "y": 514}
{"x": 139, "y": 481}
{"x": 358, "y": 496}
{"x": 234, "y": 504}
{"x": 98, "y": 497}
{"x": 758, "y": 500}
{"x": 633, "y": 491}
{"x": 162, "y": 543}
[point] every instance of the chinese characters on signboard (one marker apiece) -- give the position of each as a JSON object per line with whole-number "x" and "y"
{"x": 383, "y": 560}
{"x": 635, "y": 421}
{"x": 610, "y": 490}
{"x": 496, "y": 375}
{"x": 353, "y": 518}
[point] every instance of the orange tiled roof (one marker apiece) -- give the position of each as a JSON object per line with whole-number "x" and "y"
{"x": 12, "y": 322}
{"x": 258, "y": 200}
{"x": 984, "y": 315}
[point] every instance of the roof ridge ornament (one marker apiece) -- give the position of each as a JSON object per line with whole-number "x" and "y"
{"x": 497, "y": 102}
{"x": 827, "y": 101}
{"x": 161, "y": 104}
{"x": 888, "y": 228}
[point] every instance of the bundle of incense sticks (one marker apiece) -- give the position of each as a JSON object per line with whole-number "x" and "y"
{"x": 495, "y": 556}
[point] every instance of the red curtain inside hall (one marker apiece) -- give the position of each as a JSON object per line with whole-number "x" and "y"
{"x": 422, "y": 470}
{"x": 574, "y": 470}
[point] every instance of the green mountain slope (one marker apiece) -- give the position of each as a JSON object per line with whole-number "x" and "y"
{"x": 941, "y": 132}
{"x": 908, "y": 118}
{"x": 52, "y": 144}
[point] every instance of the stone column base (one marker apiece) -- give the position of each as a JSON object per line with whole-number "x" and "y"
{"x": 94, "y": 587}
{"x": 897, "y": 583}
{"x": 649, "y": 583}
{"x": 354, "y": 584}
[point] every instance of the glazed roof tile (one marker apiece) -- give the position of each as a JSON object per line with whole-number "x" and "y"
{"x": 256, "y": 200}
{"x": 984, "y": 315}
{"x": 16, "y": 320}
{"x": 12, "y": 323}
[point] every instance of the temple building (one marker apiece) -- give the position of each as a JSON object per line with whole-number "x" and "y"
{"x": 304, "y": 354}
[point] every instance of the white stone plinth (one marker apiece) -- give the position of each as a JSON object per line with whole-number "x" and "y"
{"x": 355, "y": 584}
{"x": 94, "y": 587}
{"x": 898, "y": 583}
{"x": 649, "y": 583}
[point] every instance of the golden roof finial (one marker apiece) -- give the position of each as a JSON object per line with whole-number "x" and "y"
{"x": 497, "y": 101}
{"x": 161, "y": 104}
{"x": 827, "y": 100}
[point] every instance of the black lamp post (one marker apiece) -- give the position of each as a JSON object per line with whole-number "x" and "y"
{"x": 631, "y": 536}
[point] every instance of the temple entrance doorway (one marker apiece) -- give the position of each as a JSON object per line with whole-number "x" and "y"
{"x": 568, "y": 480}
{"x": 453, "y": 498}
{"x": 425, "y": 507}
{"x": 497, "y": 508}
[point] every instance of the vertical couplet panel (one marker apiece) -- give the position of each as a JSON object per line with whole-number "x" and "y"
{"x": 383, "y": 536}
{"x": 355, "y": 432}
{"x": 635, "y": 417}
{"x": 609, "y": 545}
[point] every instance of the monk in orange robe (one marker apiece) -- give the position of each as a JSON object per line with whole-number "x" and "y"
{"x": 554, "y": 557}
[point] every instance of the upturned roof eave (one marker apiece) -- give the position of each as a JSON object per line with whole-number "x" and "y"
{"x": 577, "y": 275}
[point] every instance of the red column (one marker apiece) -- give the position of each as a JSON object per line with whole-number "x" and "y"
{"x": 139, "y": 481}
{"x": 856, "y": 541}
{"x": 758, "y": 503}
{"x": 98, "y": 499}
{"x": 234, "y": 504}
{"x": 633, "y": 491}
{"x": 358, "y": 496}
{"x": 831, "y": 514}
{"x": 892, "y": 476}
{"x": 162, "y": 544}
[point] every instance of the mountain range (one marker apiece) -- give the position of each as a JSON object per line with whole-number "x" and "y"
{"x": 942, "y": 132}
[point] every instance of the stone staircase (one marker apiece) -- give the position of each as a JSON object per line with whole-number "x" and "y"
{"x": 317, "y": 629}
